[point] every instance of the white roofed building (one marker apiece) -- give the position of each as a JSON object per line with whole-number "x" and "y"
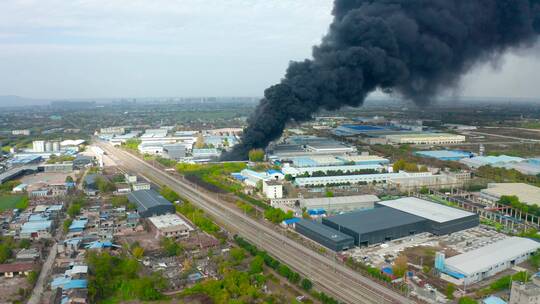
{"x": 170, "y": 225}
{"x": 479, "y": 264}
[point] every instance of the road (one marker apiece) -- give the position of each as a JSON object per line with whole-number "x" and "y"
{"x": 327, "y": 274}
{"x": 41, "y": 283}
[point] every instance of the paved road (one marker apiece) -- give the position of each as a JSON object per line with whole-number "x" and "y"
{"x": 40, "y": 286}
{"x": 328, "y": 275}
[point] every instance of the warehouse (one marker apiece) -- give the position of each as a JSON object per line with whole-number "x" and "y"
{"x": 441, "y": 219}
{"x": 526, "y": 194}
{"x": 479, "y": 264}
{"x": 150, "y": 203}
{"x": 340, "y": 203}
{"x": 346, "y": 169}
{"x": 324, "y": 235}
{"x": 426, "y": 138}
{"x": 355, "y": 179}
{"x": 169, "y": 225}
{"x": 377, "y": 225}
{"x": 445, "y": 155}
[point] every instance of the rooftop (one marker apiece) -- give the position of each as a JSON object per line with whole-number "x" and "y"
{"x": 525, "y": 193}
{"x": 374, "y": 219}
{"x": 340, "y": 200}
{"x": 146, "y": 199}
{"x": 426, "y": 209}
{"x": 168, "y": 221}
{"x": 444, "y": 154}
{"x": 485, "y": 257}
{"x": 323, "y": 230}
{"x": 16, "y": 267}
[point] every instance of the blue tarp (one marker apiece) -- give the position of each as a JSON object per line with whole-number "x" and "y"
{"x": 316, "y": 211}
{"x": 291, "y": 221}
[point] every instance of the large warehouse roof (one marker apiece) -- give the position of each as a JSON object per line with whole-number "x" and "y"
{"x": 324, "y": 231}
{"x": 374, "y": 219}
{"x": 483, "y": 258}
{"x": 338, "y": 200}
{"x": 526, "y": 193}
{"x": 146, "y": 199}
{"x": 425, "y": 209}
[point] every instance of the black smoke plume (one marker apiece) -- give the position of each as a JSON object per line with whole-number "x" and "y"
{"x": 415, "y": 48}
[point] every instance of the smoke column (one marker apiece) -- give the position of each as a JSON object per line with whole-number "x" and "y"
{"x": 415, "y": 48}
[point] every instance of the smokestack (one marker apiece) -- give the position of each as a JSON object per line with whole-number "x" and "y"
{"x": 414, "y": 48}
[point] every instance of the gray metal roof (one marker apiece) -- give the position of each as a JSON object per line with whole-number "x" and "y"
{"x": 426, "y": 209}
{"x": 323, "y": 230}
{"x": 146, "y": 199}
{"x": 376, "y": 219}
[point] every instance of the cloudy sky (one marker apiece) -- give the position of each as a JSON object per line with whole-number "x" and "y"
{"x": 143, "y": 48}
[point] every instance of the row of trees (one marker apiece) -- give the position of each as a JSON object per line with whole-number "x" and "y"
{"x": 513, "y": 201}
{"x": 283, "y": 270}
{"x": 408, "y": 166}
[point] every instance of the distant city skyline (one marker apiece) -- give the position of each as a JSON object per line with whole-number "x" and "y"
{"x": 54, "y": 49}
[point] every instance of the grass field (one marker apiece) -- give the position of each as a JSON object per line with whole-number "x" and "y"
{"x": 13, "y": 201}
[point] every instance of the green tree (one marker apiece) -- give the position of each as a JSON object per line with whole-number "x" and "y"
{"x": 288, "y": 177}
{"x": 138, "y": 252}
{"x": 256, "y": 155}
{"x": 306, "y": 284}
{"x": 5, "y": 251}
{"x": 238, "y": 254}
{"x": 467, "y": 300}
{"x": 171, "y": 247}
{"x": 329, "y": 193}
{"x": 69, "y": 179}
{"x": 169, "y": 194}
{"x": 66, "y": 224}
{"x": 400, "y": 266}
{"x": 74, "y": 210}
{"x": 450, "y": 289}
{"x": 256, "y": 265}
{"x": 32, "y": 277}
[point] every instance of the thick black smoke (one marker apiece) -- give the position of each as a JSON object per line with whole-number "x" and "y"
{"x": 416, "y": 48}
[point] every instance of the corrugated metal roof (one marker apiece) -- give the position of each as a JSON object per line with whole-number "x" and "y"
{"x": 374, "y": 219}
{"x": 426, "y": 209}
{"x": 323, "y": 230}
{"x": 146, "y": 199}
{"x": 483, "y": 258}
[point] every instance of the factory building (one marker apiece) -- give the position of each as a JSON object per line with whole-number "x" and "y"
{"x": 526, "y": 194}
{"x": 441, "y": 219}
{"x": 377, "y": 225}
{"x": 169, "y": 225}
{"x": 326, "y": 236}
{"x": 345, "y": 169}
{"x": 150, "y": 203}
{"x": 478, "y": 264}
{"x": 445, "y": 155}
{"x": 174, "y": 151}
{"x": 426, "y": 138}
{"x": 356, "y": 179}
{"x": 340, "y": 203}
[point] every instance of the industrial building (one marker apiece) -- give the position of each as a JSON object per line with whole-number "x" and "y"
{"x": 377, "y": 225}
{"x": 150, "y": 203}
{"x": 355, "y": 179}
{"x": 479, "y": 161}
{"x": 324, "y": 235}
{"x": 441, "y": 219}
{"x": 340, "y": 203}
{"x": 272, "y": 189}
{"x": 169, "y": 225}
{"x": 174, "y": 151}
{"x": 345, "y": 169}
{"x": 478, "y": 264}
{"x": 525, "y": 193}
{"x": 445, "y": 155}
{"x": 426, "y": 138}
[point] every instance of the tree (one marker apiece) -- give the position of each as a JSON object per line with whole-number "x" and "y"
{"x": 256, "y": 155}
{"x": 32, "y": 277}
{"x": 69, "y": 179}
{"x": 256, "y": 265}
{"x": 306, "y": 284}
{"x": 467, "y": 300}
{"x": 329, "y": 193}
{"x": 450, "y": 289}
{"x": 66, "y": 224}
{"x": 5, "y": 251}
{"x": 74, "y": 210}
{"x": 400, "y": 266}
{"x": 288, "y": 177}
{"x": 169, "y": 194}
{"x": 238, "y": 254}
{"x": 171, "y": 247}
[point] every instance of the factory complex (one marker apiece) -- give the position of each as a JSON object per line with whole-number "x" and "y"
{"x": 395, "y": 219}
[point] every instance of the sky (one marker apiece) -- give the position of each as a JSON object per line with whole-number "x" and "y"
{"x": 63, "y": 49}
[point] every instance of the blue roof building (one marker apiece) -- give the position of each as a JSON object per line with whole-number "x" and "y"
{"x": 493, "y": 300}
{"x": 78, "y": 225}
{"x": 446, "y": 155}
